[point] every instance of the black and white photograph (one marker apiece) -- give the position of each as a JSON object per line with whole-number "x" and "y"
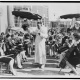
{"x": 40, "y": 39}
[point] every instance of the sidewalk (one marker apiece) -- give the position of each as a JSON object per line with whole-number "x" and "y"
{"x": 32, "y": 71}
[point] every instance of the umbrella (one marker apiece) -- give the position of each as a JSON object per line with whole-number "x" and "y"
{"x": 70, "y": 16}
{"x": 27, "y": 15}
{"x": 36, "y": 16}
{"x": 22, "y": 14}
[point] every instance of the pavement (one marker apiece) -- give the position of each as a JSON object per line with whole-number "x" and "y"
{"x": 50, "y": 70}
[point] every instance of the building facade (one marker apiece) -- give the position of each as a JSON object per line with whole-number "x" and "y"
{"x": 41, "y": 10}
{"x": 7, "y": 20}
{"x": 3, "y": 18}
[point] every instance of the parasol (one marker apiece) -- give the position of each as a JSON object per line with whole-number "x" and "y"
{"x": 27, "y": 15}
{"x": 70, "y": 16}
{"x": 36, "y": 16}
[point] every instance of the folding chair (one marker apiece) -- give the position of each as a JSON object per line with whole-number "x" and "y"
{"x": 2, "y": 67}
{"x": 4, "y": 64}
{"x": 62, "y": 67}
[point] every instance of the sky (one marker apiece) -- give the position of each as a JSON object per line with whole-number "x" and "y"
{"x": 57, "y": 9}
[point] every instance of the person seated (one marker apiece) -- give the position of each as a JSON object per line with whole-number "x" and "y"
{"x": 62, "y": 48}
{"x": 12, "y": 48}
{"x": 55, "y": 47}
{"x": 55, "y": 50}
{"x": 27, "y": 44}
{"x": 8, "y": 60}
{"x": 21, "y": 57}
{"x": 50, "y": 43}
{"x": 72, "y": 56}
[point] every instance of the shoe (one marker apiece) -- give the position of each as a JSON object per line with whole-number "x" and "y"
{"x": 19, "y": 67}
{"x": 42, "y": 67}
{"x": 25, "y": 60}
{"x": 76, "y": 73}
{"x": 39, "y": 66}
{"x": 13, "y": 73}
{"x": 58, "y": 67}
{"x": 71, "y": 71}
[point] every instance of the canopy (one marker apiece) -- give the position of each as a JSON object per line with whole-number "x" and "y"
{"x": 70, "y": 16}
{"x": 27, "y": 15}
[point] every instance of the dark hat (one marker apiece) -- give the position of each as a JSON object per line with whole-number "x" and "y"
{"x": 68, "y": 29}
{"x": 76, "y": 35}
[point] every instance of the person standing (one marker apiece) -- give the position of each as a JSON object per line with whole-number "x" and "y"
{"x": 40, "y": 49}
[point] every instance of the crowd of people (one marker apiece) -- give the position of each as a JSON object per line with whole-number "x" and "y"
{"x": 16, "y": 47}
{"x": 65, "y": 46}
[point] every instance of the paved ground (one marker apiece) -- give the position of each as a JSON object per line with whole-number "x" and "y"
{"x": 50, "y": 70}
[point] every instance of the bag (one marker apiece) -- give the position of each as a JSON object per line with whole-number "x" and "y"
{"x": 62, "y": 64}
